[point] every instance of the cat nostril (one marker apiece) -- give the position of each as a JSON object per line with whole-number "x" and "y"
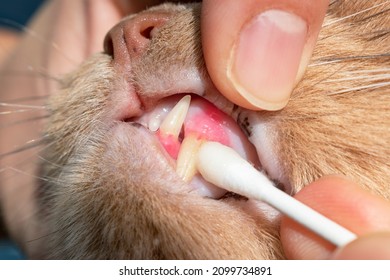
{"x": 147, "y": 32}
{"x": 130, "y": 37}
{"x": 109, "y": 45}
{"x": 140, "y": 30}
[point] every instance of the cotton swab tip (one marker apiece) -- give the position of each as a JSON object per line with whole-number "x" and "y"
{"x": 224, "y": 167}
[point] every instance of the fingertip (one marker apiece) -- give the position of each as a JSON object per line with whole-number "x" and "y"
{"x": 255, "y": 51}
{"x": 261, "y": 68}
{"x": 375, "y": 246}
{"x": 302, "y": 244}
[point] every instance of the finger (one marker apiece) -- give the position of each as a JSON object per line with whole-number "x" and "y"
{"x": 255, "y": 51}
{"x": 371, "y": 247}
{"x": 342, "y": 201}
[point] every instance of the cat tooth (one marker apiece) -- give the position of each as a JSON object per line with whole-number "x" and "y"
{"x": 173, "y": 122}
{"x": 187, "y": 158}
{"x": 154, "y": 123}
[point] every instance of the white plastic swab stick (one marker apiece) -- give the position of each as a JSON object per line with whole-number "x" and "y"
{"x": 224, "y": 167}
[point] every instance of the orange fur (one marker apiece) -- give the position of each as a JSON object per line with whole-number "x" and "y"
{"x": 338, "y": 119}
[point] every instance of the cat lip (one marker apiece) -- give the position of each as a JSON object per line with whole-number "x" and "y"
{"x": 207, "y": 122}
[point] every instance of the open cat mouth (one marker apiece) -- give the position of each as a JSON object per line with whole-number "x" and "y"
{"x": 159, "y": 77}
{"x": 179, "y": 103}
{"x": 182, "y": 123}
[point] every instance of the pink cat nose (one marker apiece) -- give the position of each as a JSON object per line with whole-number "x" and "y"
{"x": 129, "y": 38}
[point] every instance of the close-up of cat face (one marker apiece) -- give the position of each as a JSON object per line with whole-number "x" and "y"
{"x": 116, "y": 177}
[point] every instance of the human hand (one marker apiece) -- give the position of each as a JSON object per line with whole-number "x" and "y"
{"x": 257, "y": 50}
{"x": 344, "y": 202}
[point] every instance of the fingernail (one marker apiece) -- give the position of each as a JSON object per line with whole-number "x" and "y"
{"x": 264, "y": 63}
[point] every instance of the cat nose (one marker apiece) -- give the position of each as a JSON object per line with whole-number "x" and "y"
{"x": 130, "y": 38}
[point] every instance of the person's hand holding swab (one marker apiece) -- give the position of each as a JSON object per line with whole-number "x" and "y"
{"x": 346, "y": 211}
{"x": 349, "y": 205}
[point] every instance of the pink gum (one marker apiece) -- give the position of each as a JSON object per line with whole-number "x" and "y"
{"x": 203, "y": 120}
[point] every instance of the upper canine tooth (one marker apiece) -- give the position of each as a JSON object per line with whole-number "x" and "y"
{"x": 173, "y": 122}
{"x": 187, "y": 158}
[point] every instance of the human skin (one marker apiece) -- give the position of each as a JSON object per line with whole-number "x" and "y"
{"x": 349, "y": 205}
{"x": 244, "y": 47}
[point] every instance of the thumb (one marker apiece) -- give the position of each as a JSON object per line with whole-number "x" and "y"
{"x": 375, "y": 246}
{"x": 256, "y": 50}
{"x": 343, "y": 202}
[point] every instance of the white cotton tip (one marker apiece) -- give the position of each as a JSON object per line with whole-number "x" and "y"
{"x": 223, "y": 167}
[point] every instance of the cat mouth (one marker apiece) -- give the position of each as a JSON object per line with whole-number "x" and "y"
{"x": 181, "y": 123}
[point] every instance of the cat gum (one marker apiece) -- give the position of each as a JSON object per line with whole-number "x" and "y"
{"x": 203, "y": 121}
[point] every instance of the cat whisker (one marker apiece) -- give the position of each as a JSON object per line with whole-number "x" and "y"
{"x": 381, "y": 70}
{"x": 359, "y": 88}
{"x": 24, "y": 106}
{"x": 24, "y": 99}
{"x": 49, "y": 162}
{"x": 355, "y": 14}
{"x": 27, "y": 146}
{"x": 42, "y": 236}
{"x": 329, "y": 60}
{"x": 376, "y": 14}
{"x": 25, "y": 173}
{"x": 27, "y": 120}
{"x": 368, "y": 78}
{"x": 23, "y": 165}
{"x": 16, "y": 111}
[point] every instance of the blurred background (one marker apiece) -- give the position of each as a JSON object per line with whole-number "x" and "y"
{"x": 13, "y": 15}
{"x": 16, "y": 12}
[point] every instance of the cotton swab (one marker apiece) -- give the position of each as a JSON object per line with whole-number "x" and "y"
{"x": 222, "y": 166}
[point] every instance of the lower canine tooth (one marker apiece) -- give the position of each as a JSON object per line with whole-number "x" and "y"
{"x": 173, "y": 122}
{"x": 187, "y": 158}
